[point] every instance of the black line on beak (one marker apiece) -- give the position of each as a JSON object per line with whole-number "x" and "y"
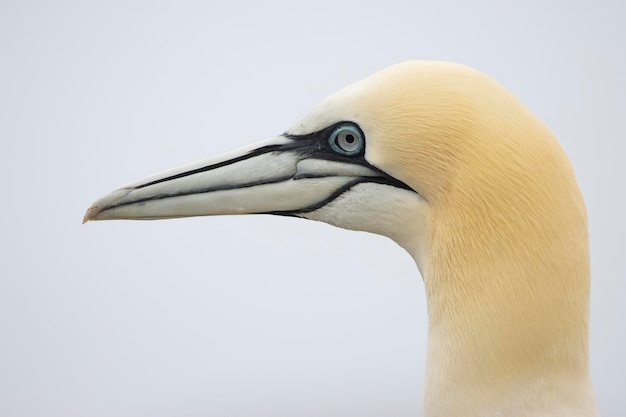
{"x": 251, "y": 154}
{"x": 385, "y": 180}
{"x": 313, "y": 145}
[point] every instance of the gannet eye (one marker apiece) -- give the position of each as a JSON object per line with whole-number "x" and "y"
{"x": 347, "y": 140}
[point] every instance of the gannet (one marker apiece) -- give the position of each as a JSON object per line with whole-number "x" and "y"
{"x": 454, "y": 168}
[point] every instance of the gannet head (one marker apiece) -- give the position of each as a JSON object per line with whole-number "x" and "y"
{"x": 383, "y": 155}
{"x": 450, "y": 165}
{"x": 339, "y": 165}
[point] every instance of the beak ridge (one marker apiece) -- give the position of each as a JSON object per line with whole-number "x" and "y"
{"x": 273, "y": 176}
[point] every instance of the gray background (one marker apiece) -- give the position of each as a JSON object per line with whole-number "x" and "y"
{"x": 255, "y": 316}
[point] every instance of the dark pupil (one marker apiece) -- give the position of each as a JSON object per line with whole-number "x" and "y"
{"x": 349, "y": 138}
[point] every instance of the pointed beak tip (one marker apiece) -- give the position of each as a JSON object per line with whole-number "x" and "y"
{"x": 91, "y": 214}
{"x": 103, "y": 204}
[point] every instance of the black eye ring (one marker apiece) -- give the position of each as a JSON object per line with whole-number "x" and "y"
{"x": 347, "y": 140}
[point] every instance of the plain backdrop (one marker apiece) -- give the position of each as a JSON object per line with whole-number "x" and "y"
{"x": 258, "y": 315}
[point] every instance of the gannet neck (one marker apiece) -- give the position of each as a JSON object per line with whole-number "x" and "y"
{"x": 508, "y": 318}
{"x": 507, "y": 273}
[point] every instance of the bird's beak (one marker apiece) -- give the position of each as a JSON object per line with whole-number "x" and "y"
{"x": 284, "y": 175}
